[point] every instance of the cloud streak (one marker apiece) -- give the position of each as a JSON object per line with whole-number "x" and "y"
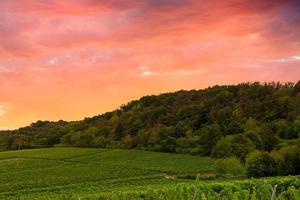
{"x": 71, "y": 59}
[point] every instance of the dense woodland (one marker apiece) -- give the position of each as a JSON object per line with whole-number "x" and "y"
{"x": 251, "y": 121}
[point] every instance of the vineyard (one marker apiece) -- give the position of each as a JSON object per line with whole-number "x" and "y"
{"x": 263, "y": 189}
{"x": 85, "y": 173}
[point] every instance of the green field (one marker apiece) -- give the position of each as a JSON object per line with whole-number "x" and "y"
{"x": 82, "y": 171}
{"x": 86, "y": 173}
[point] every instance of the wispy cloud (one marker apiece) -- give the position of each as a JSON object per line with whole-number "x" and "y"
{"x": 55, "y": 55}
{"x": 287, "y": 59}
{"x": 296, "y": 57}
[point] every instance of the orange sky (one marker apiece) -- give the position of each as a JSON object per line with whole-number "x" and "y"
{"x": 76, "y": 58}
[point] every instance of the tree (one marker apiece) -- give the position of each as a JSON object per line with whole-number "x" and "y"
{"x": 289, "y": 160}
{"x": 220, "y": 121}
{"x": 230, "y": 166}
{"x": 233, "y": 145}
{"x": 208, "y": 137}
{"x": 252, "y": 125}
{"x": 135, "y": 126}
{"x": 285, "y": 129}
{"x": 296, "y": 89}
{"x": 222, "y": 148}
{"x": 128, "y": 141}
{"x": 268, "y": 138}
{"x": 260, "y": 164}
{"x": 81, "y": 139}
{"x": 233, "y": 127}
{"x": 241, "y": 146}
{"x": 296, "y": 126}
{"x": 255, "y": 138}
{"x": 119, "y": 132}
{"x": 101, "y": 142}
{"x": 168, "y": 144}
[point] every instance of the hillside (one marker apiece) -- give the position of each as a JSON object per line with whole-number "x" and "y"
{"x": 220, "y": 121}
{"x": 53, "y": 172}
{"x": 90, "y": 173}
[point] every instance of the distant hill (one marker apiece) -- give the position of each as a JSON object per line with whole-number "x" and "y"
{"x": 219, "y": 121}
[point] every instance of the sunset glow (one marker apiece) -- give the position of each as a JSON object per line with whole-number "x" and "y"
{"x": 78, "y": 58}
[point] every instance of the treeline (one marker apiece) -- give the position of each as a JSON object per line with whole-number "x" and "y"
{"x": 220, "y": 121}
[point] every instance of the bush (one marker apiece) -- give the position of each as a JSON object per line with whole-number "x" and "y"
{"x": 260, "y": 164}
{"x": 222, "y": 148}
{"x": 255, "y": 138}
{"x": 289, "y": 159}
{"x": 233, "y": 145}
{"x": 230, "y": 166}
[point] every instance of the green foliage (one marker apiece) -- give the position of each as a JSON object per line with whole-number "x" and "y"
{"x": 208, "y": 137}
{"x": 230, "y": 166}
{"x": 90, "y": 173}
{"x": 288, "y": 159}
{"x": 233, "y": 145}
{"x": 222, "y": 148}
{"x": 57, "y": 171}
{"x": 260, "y": 164}
{"x": 286, "y": 130}
{"x": 220, "y": 121}
{"x": 255, "y": 139}
{"x": 229, "y": 190}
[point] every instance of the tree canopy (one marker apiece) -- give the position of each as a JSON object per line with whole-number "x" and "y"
{"x": 219, "y": 121}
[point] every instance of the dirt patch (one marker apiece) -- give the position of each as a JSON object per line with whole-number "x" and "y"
{"x": 170, "y": 176}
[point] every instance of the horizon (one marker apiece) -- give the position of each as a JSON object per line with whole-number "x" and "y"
{"x": 197, "y": 89}
{"x": 71, "y": 60}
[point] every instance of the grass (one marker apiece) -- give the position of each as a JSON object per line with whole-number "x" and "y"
{"x": 84, "y": 171}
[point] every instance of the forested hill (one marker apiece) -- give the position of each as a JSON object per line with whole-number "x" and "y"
{"x": 219, "y": 121}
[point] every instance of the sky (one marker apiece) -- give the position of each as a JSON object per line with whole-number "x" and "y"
{"x": 78, "y": 58}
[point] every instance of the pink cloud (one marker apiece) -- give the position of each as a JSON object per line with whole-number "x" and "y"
{"x": 63, "y": 59}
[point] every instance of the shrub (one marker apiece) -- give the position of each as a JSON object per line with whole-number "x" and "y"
{"x": 281, "y": 166}
{"x": 230, "y": 166}
{"x": 260, "y": 164}
{"x": 222, "y": 148}
{"x": 255, "y": 138}
{"x": 290, "y": 158}
{"x": 233, "y": 145}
